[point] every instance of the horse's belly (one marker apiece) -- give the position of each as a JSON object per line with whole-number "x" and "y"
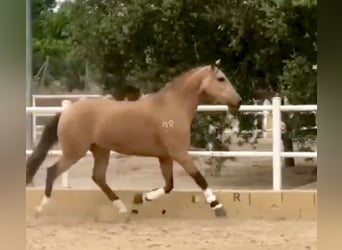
{"x": 146, "y": 151}
{"x": 136, "y": 145}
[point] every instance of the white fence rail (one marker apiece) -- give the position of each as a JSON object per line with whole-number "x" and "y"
{"x": 276, "y": 108}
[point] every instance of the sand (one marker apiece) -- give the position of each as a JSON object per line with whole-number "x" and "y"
{"x": 176, "y": 234}
{"x": 141, "y": 234}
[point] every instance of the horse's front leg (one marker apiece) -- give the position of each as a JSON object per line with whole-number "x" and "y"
{"x": 166, "y": 166}
{"x": 185, "y": 160}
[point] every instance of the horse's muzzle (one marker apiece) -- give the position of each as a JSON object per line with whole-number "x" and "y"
{"x": 234, "y": 109}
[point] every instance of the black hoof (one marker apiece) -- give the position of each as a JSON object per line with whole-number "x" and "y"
{"x": 220, "y": 212}
{"x": 138, "y": 198}
{"x": 135, "y": 211}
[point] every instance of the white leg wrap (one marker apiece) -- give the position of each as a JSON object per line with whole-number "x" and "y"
{"x": 120, "y": 206}
{"x": 209, "y": 195}
{"x": 42, "y": 204}
{"x": 154, "y": 194}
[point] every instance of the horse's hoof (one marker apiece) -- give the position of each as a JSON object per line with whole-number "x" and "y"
{"x": 138, "y": 198}
{"x": 37, "y": 211}
{"x": 123, "y": 218}
{"x": 30, "y": 184}
{"x": 220, "y": 212}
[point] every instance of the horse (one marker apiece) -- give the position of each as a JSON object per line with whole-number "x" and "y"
{"x": 156, "y": 126}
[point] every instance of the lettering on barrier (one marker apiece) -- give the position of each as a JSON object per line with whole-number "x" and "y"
{"x": 236, "y": 197}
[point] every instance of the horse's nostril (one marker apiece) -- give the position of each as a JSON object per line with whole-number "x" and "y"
{"x": 239, "y": 104}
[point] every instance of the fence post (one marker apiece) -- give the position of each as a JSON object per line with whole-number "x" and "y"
{"x": 34, "y": 122}
{"x": 65, "y": 175}
{"x": 276, "y": 131}
{"x": 266, "y": 114}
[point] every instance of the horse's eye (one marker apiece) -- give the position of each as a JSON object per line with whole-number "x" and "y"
{"x": 221, "y": 79}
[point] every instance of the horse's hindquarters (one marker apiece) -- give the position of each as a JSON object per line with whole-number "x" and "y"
{"x": 76, "y": 129}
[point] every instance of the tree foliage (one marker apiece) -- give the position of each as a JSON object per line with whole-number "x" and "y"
{"x": 51, "y": 40}
{"x": 262, "y": 44}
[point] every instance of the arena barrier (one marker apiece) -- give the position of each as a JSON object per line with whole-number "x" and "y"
{"x": 93, "y": 205}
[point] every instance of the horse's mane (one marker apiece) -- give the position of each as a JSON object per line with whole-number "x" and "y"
{"x": 180, "y": 78}
{"x": 176, "y": 81}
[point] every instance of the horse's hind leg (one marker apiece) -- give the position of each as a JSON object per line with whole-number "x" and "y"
{"x": 63, "y": 164}
{"x": 101, "y": 159}
{"x": 166, "y": 167}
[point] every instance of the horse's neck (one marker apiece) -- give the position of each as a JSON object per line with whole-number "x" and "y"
{"x": 186, "y": 97}
{"x": 183, "y": 93}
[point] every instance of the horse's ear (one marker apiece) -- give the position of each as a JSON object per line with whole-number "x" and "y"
{"x": 214, "y": 66}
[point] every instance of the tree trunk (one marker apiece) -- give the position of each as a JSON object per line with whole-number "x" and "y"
{"x": 287, "y": 140}
{"x": 288, "y": 147}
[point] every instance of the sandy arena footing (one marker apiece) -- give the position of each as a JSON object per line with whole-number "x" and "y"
{"x": 257, "y": 220}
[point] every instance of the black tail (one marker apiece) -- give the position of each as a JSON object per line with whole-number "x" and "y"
{"x": 48, "y": 139}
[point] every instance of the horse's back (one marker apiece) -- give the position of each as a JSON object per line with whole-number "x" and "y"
{"x": 87, "y": 113}
{"x": 128, "y": 127}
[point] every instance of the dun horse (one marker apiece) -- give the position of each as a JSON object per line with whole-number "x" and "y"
{"x": 156, "y": 126}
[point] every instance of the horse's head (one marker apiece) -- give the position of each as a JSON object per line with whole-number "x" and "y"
{"x": 216, "y": 85}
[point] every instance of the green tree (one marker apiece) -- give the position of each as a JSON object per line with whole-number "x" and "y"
{"x": 51, "y": 41}
{"x": 263, "y": 45}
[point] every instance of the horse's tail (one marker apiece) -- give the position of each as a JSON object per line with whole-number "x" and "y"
{"x": 48, "y": 139}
